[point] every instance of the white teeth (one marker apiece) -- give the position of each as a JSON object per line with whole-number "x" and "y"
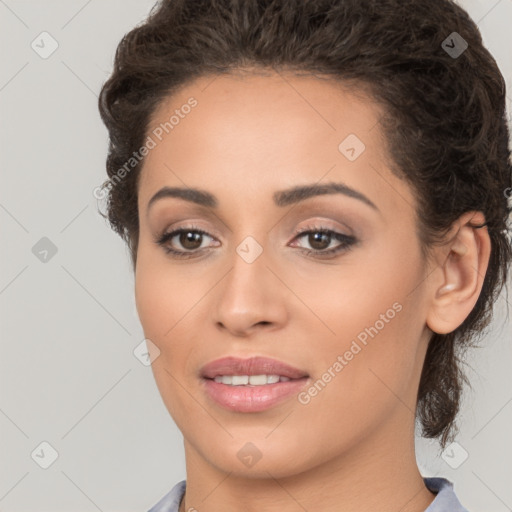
{"x": 239, "y": 380}
{"x": 259, "y": 380}
{"x": 253, "y": 380}
{"x": 226, "y": 379}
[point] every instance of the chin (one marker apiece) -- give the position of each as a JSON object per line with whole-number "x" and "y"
{"x": 256, "y": 459}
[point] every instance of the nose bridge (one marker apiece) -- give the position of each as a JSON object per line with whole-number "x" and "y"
{"x": 248, "y": 296}
{"x": 248, "y": 267}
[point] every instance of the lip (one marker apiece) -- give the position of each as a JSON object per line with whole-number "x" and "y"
{"x": 252, "y": 366}
{"x": 247, "y": 398}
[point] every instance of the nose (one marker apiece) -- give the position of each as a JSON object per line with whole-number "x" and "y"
{"x": 251, "y": 297}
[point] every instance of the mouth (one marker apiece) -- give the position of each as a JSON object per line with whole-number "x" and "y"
{"x": 252, "y": 367}
{"x": 251, "y": 385}
{"x": 250, "y": 380}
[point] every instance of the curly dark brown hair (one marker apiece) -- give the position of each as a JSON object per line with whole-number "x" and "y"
{"x": 445, "y": 123}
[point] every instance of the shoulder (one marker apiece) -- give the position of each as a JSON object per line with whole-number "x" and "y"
{"x": 171, "y": 501}
{"x": 446, "y": 500}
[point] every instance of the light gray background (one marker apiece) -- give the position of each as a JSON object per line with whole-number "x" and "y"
{"x": 69, "y": 326}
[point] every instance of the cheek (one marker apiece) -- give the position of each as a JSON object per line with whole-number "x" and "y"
{"x": 160, "y": 307}
{"x": 164, "y": 295}
{"x": 366, "y": 376}
{"x": 375, "y": 319}
{"x": 166, "y": 301}
{"x": 149, "y": 301}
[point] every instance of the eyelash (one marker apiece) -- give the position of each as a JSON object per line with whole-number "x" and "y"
{"x": 346, "y": 241}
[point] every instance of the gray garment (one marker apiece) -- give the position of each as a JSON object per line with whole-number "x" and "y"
{"x": 445, "y": 501}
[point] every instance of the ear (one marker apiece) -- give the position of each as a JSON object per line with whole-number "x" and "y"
{"x": 457, "y": 281}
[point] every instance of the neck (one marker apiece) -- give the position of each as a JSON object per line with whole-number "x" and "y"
{"x": 375, "y": 475}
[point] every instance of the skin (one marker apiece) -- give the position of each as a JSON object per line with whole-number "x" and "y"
{"x": 351, "y": 448}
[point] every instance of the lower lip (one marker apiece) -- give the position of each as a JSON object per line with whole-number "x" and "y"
{"x": 252, "y": 398}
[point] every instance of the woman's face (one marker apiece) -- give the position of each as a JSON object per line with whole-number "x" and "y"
{"x": 348, "y": 311}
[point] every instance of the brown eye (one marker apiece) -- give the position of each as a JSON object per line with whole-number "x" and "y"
{"x": 189, "y": 239}
{"x": 184, "y": 242}
{"x": 319, "y": 240}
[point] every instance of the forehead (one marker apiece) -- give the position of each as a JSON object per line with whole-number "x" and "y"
{"x": 302, "y": 104}
{"x": 263, "y": 131}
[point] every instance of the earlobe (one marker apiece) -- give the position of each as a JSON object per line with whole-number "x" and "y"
{"x": 457, "y": 282}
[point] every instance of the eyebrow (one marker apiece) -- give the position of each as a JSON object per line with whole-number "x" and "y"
{"x": 281, "y": 198}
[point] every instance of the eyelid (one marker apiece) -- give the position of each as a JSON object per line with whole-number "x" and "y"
{"x": 322, "y": 223}
{"x": 192, "y": 225}
{"x": 343, "y": 239}
{"x": 311, "y": 224}
{"x": 344, "y": 245}
{"x": 174, "y": 230}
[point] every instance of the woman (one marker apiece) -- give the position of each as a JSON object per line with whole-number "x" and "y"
{"x": 314, "y": 195}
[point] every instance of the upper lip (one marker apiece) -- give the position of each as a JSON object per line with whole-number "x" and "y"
{"x": 252, "y": 366}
